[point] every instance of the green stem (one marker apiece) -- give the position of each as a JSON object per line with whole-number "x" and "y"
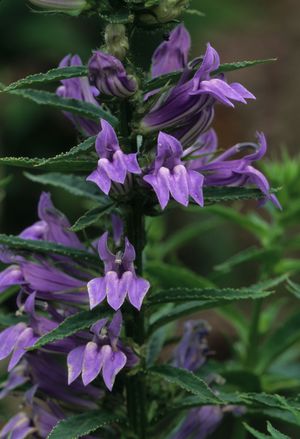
{"x": 135, "y": 328}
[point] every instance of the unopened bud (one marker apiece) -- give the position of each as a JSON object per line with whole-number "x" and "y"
{"x": 167, "y": 10}
{"x": 116, "y": 40}
{"x": 71, "y": 7}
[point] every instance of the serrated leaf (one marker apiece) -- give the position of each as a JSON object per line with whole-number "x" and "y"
{"x": 230, "y": 67}
{"x": 76, "y": 106}
{"x": 275, "y": 433}
{"x": 76, "y": 151}
{"x": 222, "y": 194}
{"x": 171, "y": 276}
{"x": 92, "y": 216}
{"x": 52, "y": 75}
{"x": 80, "y": 425}
{"x": 45, "y": 247}
{"x": 73, "y": 184}
{"x": 63, "y": 165}
{"x": 173, "y": 78}
{"x": 280, "y": 340}
{"x": 187, "y": 381}
{"x": 175, "y": 295}
{"x": 71, "y": 325}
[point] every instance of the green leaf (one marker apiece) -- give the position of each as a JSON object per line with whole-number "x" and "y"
{"x": 187, "y": 381}
{"x": 173, "y": 78}
{"x": 249, "y": 254}
{"x": 46, "y": 247}
{"x": 222, "y": 194}
{"x": 10, "y": 319}
{"x": 256, "y": 291}
{"x": 92, "y": 216}
{"x": 63, "y": 165}
{"x": 76, "y": 151}
{"x": 174, "y": 276}
{"x": 282, "y": 338}
{"x": 179, "y": 311}
{"x": 293, "y": 288}
{"x": 73, "y": 184}
{"x": 176, "y": 295}
{"x": 275, "y": 433}
{"x": 230, "y": 67}
{"x": 80, "y": 425}
{"x": 76, "y": 106}
{"x": 71, "y": 325}
{"x": 256, "y": 433}
{"x": 52, "y": 75}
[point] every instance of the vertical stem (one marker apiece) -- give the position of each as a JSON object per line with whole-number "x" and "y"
{"x": 135, "y": 328}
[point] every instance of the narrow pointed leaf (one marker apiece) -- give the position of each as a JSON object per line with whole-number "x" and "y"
{"x": 45, "y": 247}
{"x": 92, "y": 216}
{"x": 82, "y": 108}
{"x": 62, "y": 165}
{"x": 80, "y": 425}
{"x": 73, "y": 184}
{"x": 76, "y": 151}
{"x": 52, "y": 75}
{"x": 71, "y": 325}
{"x": 173, "y": 78}
{"x": 176, "y": 295}
{"x": 187, "y": 381}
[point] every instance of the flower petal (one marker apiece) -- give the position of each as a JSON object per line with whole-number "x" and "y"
{"x": 74, "y": 361}
{"x": 137, "y": 291}
{"x": 92, "y": 363}
{"x": 113, "y": 362}
{"x": 96, "y": 290}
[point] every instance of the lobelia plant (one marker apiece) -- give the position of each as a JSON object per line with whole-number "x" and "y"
{"x": 86, "y": 346}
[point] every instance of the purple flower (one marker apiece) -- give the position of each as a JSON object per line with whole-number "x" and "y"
{"x": 187, "y": 108}
{"x": 120, "y": 280}
{"x": 17, "y": 427}
{"x": 113, "y": 164}
{"x": 103, "y": 354}
{"x": 192, "y": 349}
{"x": 16, "y": 339}
{"x": 79, "y": 89}
{"x": 226, "y": 170}
{"x": 172, "y": 55}
{"x": 200, "y": 423}
{"x": 169, "y": 175}
{"x": 107, "y": 73}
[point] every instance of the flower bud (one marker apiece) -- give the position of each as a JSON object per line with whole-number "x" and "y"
{"x": 116, "y": 40}
{"x": 71, "y": 7}
{"x": 167, "y": 10}
{"x": 108, "y": 74}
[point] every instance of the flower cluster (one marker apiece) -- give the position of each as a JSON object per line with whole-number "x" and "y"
{"x": 186, "y": 154}
{"x": 53, "y": 288}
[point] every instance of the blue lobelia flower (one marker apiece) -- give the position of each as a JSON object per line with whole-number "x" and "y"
{"x": 113, "y": 164}
{"x": 170, "y": 176}
{"x": 120, "y": 280}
